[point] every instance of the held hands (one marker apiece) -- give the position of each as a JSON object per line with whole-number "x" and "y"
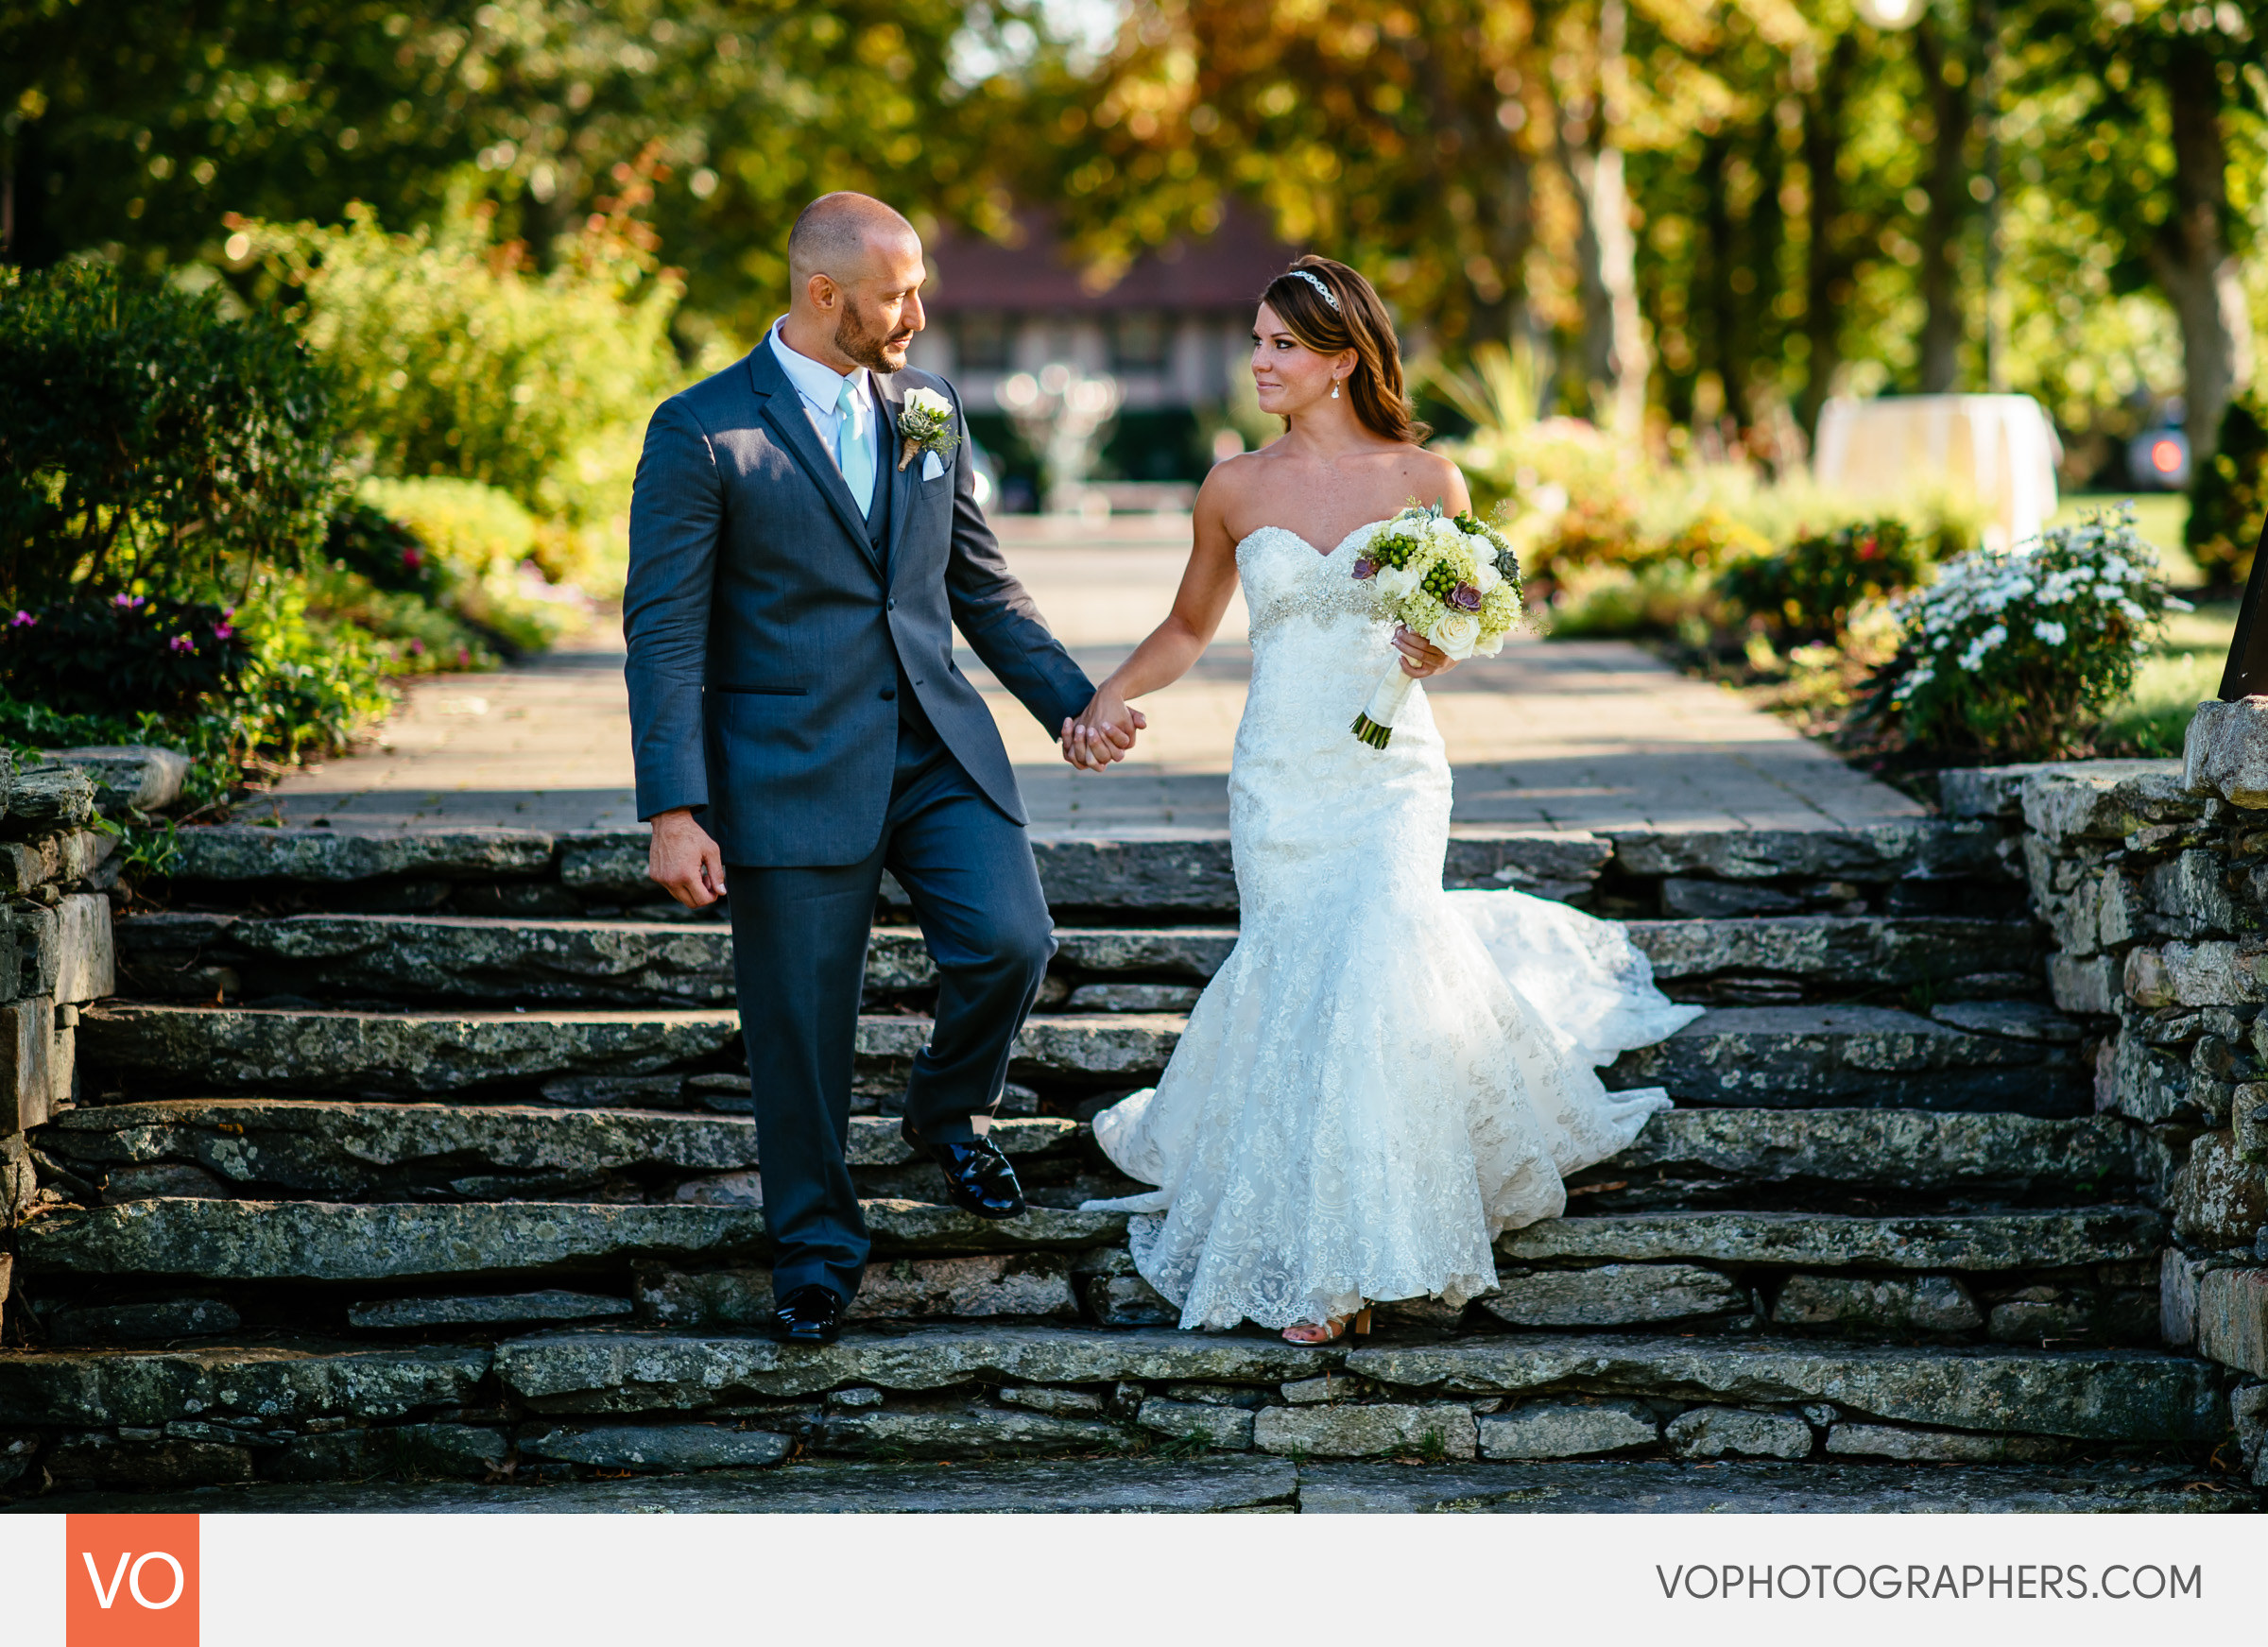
{"x": 1103, "y": 733}
{"x": 1420, "y": 658}
{"x": 684, "y": 860}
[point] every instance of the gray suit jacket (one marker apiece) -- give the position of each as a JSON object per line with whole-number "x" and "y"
{"x": 766, "y": 632}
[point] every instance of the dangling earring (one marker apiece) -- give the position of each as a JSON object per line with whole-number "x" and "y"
{"x": 1334, "y": 388}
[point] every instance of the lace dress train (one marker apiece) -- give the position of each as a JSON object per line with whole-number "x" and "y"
{"x": 1382, "y": 1075}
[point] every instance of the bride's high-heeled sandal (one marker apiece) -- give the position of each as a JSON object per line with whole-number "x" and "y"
{"x": 1357, "y": 1324}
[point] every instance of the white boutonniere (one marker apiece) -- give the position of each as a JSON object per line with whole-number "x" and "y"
{"x": 926, "y": 425}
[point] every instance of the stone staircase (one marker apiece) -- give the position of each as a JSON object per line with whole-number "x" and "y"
{"x": 420, "y": 1171}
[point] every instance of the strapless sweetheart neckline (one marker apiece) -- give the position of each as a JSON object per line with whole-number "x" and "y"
{"x": 1307, "y": 542}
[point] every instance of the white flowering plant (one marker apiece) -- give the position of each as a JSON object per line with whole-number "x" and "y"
{"x": 2018, "y": 653}
{"x": 1453, "y": 579}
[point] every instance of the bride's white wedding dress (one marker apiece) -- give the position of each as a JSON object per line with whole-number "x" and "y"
{"x": 1382, "y": 1075}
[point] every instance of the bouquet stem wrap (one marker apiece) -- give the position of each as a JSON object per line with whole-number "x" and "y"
{"x": 1375, "y": 724}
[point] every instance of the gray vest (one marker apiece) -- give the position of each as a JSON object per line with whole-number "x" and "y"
{"x": 878, "y": 532}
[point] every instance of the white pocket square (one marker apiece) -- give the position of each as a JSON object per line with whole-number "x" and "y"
{"x": 932, "y": 466}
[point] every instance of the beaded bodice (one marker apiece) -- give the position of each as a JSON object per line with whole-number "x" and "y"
{"x": 1285, "y": 577}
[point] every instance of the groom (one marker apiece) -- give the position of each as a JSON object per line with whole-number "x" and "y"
{"x": 798, "y": 567}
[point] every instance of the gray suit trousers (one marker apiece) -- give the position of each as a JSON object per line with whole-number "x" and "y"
{"x": 800, "y": 949}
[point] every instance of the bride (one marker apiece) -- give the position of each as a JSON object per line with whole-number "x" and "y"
{"x": 1382, "y": 1075}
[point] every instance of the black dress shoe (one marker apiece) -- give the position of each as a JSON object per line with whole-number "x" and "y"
{"x": 978, "y": 1178}
{"x": 810, "y": 1314}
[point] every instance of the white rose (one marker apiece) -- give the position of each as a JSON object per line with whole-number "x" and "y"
{"x": 1394, "y": 582}
{"x": 1486, "y": 576}
{"x": 1446, "y": 532}
{"x": 1457, "y": 633}
{"x": 928, "y": 402}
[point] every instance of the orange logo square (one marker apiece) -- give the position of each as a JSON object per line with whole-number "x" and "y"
{"x": 129, "y": 1581}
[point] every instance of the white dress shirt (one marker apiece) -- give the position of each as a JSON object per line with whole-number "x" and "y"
{"x": 820, "y": 387}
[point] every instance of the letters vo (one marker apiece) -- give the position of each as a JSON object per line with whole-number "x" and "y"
{"x": 130, "y": 1581}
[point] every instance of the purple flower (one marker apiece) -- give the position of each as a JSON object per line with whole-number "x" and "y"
{"x": 1364, "y": 566}
{"x": 182, "y": 643}
{"x": 222, "y": 631}
{"x": 22, "y": 620}
{"x": 129, "y": 602}
{"x": 1464, "y": 598}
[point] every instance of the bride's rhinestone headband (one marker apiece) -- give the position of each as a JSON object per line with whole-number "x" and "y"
{"x": 1316, "y": 281}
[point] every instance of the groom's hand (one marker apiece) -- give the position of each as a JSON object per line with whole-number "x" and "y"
{"x": 1102, "y": 733}
{"x": 684, "y": 861}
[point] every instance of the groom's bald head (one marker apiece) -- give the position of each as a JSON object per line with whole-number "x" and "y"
{"x": 855, "y": 274}
{"x": 840, "y": 235}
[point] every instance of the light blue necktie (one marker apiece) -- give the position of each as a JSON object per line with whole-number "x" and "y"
{"x": 853, "y": 453}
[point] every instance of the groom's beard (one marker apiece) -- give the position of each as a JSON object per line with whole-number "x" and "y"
{"x": 871, "y": 349}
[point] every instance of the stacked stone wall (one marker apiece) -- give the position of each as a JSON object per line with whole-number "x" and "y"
{"x": 58, "y": 867}
{"x": 2152, "y": 879}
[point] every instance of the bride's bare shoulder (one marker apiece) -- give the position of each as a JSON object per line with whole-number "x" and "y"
{"x": 1235, "y": 476}
{"x": 1429, "y": 473}
{"x": 1234, "y": 483}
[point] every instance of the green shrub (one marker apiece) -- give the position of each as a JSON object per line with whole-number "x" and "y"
{"x": 1575, "y": 500}
{"x": 457, "y": 358}
{"x": 147, "y": 440}
{"x": 311, "y": 682}
{"x": 1670, "y": 598}
{"x": 364, "y": 540}
{"x": 482, "y": 547}
{"x": 1808, "y": 590}
{"x": 414, "y": 636}
{"x": 2230, "y": 496}
{"x": 2016, "y": 654}
{"x": 94, "y": 653}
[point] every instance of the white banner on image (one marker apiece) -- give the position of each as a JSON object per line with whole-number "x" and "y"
{"x": 1189, "y": 1582}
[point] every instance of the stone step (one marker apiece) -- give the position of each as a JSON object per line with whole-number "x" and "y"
{"x": 1107, "y": 1486}
{"x": 1774, "y": 1057}
{"x": 469, "y": 960}
{"x": 2099, "y": 1394}
{"x": 1171, "y": 875}
{"x": 141, "y": 1049}
{"x": 1961, "y": 1242}
{"x": 1702, "y": 959}
{"x": 1745, "y": 1487}
{"x": 2094, "y": 1394}
{"x": 159, "y": 1048}
{"x": 1115, "y": 1487}
{"x": 338, "y": 1150}
{"x": 1799, "y": 1057}
{"x": 1762, "y": 1158}
{"x": 476, "y": 960}
{"x": 341, "y": 1150}
{"x": 487, "y": 870}
{"x": 219, "y": 1240}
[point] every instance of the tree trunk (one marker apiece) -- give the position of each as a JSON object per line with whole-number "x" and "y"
{"x": 2191, "y": 259}
{"x": 1943, "y": 324}
{"x": 1827, "y": 266}
{"x": 1503, "y": 192}
{"x": 1614, "y": 339}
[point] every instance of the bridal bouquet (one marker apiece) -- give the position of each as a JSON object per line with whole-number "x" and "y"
{"x": 1451, "y": 578}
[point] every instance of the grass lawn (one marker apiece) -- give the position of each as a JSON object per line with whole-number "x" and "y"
{"x": 2183, "y": 672}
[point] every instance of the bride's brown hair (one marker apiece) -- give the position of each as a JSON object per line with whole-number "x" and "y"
{"x": 1351, "y": 318}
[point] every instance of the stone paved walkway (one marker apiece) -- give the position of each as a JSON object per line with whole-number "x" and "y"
{"x": 1563, "y": 735}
